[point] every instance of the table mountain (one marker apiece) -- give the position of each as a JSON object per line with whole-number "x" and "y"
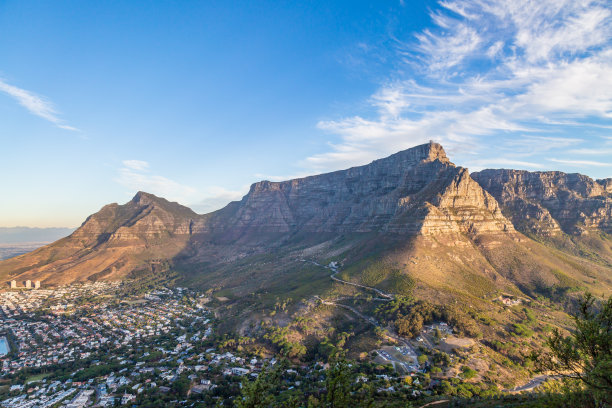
{"x": 414, "y": 214}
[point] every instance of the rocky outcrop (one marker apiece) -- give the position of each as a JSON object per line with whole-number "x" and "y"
{"x": 462, "y": 206}
{"x": 416, "y": 195}
{"x": 414, "y": 191}
{"x": 146, "y": 217}
{"x": 548, "y": 203}
{"x": 606, "y": 184}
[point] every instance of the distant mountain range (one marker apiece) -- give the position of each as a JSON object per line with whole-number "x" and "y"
{"x": 16, "y": 241}
{"x": 15, "y": 235}
{"x": 411, "y": 216}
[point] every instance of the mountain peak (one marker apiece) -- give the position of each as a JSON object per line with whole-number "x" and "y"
{"x": 427, "y": 152}
{"x": 431, "y": 151}
{"x": 144, "y": 198}
{"x": 436, "y": 151}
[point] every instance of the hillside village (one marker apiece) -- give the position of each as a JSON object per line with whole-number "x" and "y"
{"x": 80, "y": 345}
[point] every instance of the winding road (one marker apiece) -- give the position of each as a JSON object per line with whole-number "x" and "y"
{"x": 335, "y": 271}
{"x": 384, "y": 297}
{"x": 530, "y": 385}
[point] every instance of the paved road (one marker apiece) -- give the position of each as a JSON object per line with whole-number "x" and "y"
{"x": 533, "y": 383}
{"x": 431, "y": 404}
{"x": 378, "y": 291}
{"x": 369, "y": 319}
{"x": 335, "y": 272}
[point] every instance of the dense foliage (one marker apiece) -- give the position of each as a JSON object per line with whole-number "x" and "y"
{"x": 408, "y": 316}
{"x": 584, "y": 358}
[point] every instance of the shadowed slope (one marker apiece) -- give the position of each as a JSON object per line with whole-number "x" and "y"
{"x": 110, "y": 243}
{"x": 414, "y": 209}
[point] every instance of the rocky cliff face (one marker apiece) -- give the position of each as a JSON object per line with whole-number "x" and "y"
{"x": 416, "y": 191}
{"x": 413, "y": 199}
{"x": 112, "y": 242}
{"x": 548, "y": 203}
{"x": 143, "y": 219}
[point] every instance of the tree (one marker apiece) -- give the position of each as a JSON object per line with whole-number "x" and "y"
{"x": 181, "y": 385}
{"x": 259, "y": 393}
{"x": 586, "y": 354}
{"x": 338, "y": 384}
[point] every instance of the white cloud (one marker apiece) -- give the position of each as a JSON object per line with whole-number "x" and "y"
{"x": 217, "y": 198}
{"x": 135, "y": 175}
{"x": 442, "y": 53}
{"x": 138, "y": 165}
{"x": 502, "y": 162}
{"x": 593, "y": 152}
{"x": 37, "y": 105}
{"x": 579, "y": 163}
{"x": 510, "y": 71}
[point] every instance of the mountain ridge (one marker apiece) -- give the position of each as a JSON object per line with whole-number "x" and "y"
{"x": 443, "y": 226}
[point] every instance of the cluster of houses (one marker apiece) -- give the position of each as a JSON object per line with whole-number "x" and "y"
{"x": 124, "y": 385}
{"x": 55, "y": 337}
{"x": 158, "y": 340}
{"x": 60, "y": 299}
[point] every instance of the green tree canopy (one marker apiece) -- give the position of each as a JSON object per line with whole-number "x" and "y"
{"x": 586, "y": 354}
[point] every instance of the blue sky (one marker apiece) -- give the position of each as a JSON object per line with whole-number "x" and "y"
{"x": 194, "y": 101}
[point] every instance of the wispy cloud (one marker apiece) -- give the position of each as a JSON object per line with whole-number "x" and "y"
{"x": 135, "y": 175}
{"x": 593, "y": 152}
{"x": 136, "y": 165}
{"x": 503, "y": 162}
{"x": 218, "y": 197}
{"x": 497, "y": 72}
{"x": 580, "y": 163}
{"x": 36, "y": 104}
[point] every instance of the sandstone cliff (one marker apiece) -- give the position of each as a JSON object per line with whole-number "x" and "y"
{"x": 416, "y": 191}
{"x": 548, "y": 203}
{"x": 443, "y": 226}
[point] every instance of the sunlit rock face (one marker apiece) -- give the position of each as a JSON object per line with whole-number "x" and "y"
{"x": 416, "y": 198}
{"x": 414, "y": 191}
{"x": 548, "y": 203}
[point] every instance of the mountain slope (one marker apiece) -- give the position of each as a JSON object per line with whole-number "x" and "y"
{"x": 414, "y": 216}
{"x": 547, "y": 203}
{"x": 110, "y": 243}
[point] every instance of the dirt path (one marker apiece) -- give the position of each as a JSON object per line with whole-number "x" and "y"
{"x": 384, "y": 297}
{"x": 369, "y": 319}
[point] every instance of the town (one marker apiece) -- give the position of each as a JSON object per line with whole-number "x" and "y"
{"x": 99, "y": 344}
{"x": 86, "y": 345}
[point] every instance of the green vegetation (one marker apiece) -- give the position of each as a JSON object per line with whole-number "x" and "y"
{"x": 340, "y": 391}
{"x": 584, "y": 358}
{"x": 278, "y": 336}
{"x": 468, "y": 373}
{"x": 408, "y": 316}
{"x": 520, "y": 330}
{"x": 37, "y": 377}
